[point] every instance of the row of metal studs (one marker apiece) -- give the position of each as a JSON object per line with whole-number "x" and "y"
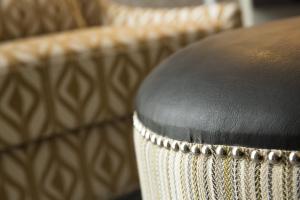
{"x": 274, "y": 157}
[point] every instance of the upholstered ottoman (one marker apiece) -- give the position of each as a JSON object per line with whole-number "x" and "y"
{"x": 221, "y": 118}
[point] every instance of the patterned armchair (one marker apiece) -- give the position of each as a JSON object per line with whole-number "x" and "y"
{"x": 66, "y": 97}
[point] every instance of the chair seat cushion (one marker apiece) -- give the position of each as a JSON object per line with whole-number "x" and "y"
{"x": 237, "y": 88}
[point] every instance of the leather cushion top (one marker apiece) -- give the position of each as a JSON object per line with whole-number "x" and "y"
{"x": 236, "y": 88}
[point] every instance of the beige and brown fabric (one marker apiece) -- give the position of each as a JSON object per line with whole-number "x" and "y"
{"x": 92, "y": 11}
{"x": 65, "y": 81}
{"x": 23, "y": 18}
{"x": 65, "y": 98}
{"x": 81, "y": 164}
{"x": 170, "y": 169}
{"x": 217, "y": 16}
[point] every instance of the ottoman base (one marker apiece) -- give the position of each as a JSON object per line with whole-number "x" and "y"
{"x": 171, "y": 169}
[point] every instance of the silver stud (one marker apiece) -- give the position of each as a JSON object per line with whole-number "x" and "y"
{"x": 294, "y": 158}
{"x": 159, "y": 141}
{"x": 196, "y": 150}
{"x": 166, "y": 144}
{"x": 256, "y": 156}
{"x": 184, "y": 147}
{"x": 175, "y": 146}
{"x": 147, "y": 135}
{"x": 137, "y": 126}
{"x": 153, "y": 139}
{"x": 221, "y": 152}
{"x": 274, "y": 157}
{"x": 206, "y": 150}
{"x": 143, "y": 132}
{"x": 237, "y": 153}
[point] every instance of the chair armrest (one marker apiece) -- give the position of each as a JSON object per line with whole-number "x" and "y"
{"x": 76, "y": 79}
{"x": 219, "y": 16}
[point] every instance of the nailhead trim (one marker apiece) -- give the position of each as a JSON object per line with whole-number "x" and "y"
{"x": 175, "y": 146}
{"x": 159, "y": 142}
{"x": 206, "y": 150}
{"x": 256, "y": 155}
{"x": 167, "y": 144}
{"x": 237, "y": 153}
{"x": 184, "y": 147}
{"x": 294, "y": 158}
{"x": 196, "y": 150}
{"x": 274, "y": 157}
{"x": 221, "y": 152}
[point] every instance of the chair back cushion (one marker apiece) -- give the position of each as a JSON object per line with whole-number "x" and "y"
{"x": 223, "y": 15}
{"x": 24, "y": 18}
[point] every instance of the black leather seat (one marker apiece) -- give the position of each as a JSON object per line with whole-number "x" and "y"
{"x": 238, "y": 88}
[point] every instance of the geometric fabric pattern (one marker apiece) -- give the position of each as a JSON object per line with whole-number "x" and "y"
{"x": 65, "y": 81}
{"x": 217, "y": 15}
{"x": 171, "y": 169}
{"x": 82, "y": 164}
{"x": 24, "y": 18}
{"x": 92, "y": 11}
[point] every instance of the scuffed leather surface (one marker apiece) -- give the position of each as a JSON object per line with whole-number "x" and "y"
{"x": 237, "y": 88}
